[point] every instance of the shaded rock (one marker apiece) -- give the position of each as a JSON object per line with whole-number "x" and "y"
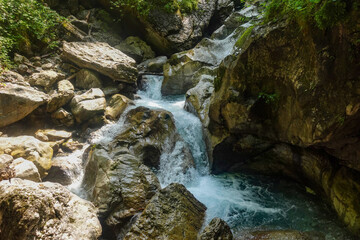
{"x": 136, "y": 48}
{"x": 52, "y": 135}
{"x": 58, "y": 100}
{"x": 116, "y": 106}
{"x": 45, "y": 79}
{"x": 26, "y": 170}
{"x": 63, "y": 117}
{"x": 216, "y": 230}
{"x": 16, "y": 102}
{"x": 88, "y": 105}
{"x": 173, "y": 213}
{"x": 154, "y": 65}
{"x": 45, "y": 211}
{"x": 102, "y": 58}
{"x": 62, "y": 171}
{"x": 87, "y": 79}
{"x": 40, "y": 153}
{"x": 119, "y": 185}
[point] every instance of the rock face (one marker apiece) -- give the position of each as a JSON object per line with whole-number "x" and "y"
{"x": 136, "y": 48}
{"x": 173, "y": 213}
{"x": 216, "y": 230}
{"x": 119, "y": 185}
{"x": 44, "y": 211}
{"x": 16, "y": 102}
{"x": 168, "y": 33}
{"x": 29, "y": 148}
{"x": 102, "y": 58}
{"x": 88, "y": 105}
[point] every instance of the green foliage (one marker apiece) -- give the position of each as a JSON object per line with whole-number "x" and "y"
{"x": 324, "y": 13}
{"x": 24, "y": 21}
{"x": 244, "y": 37}
{"x": 144, "y": 6}
{"x": 269, "y": 98}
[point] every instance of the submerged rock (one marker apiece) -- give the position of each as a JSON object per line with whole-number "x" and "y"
{"x": 44, "y": 211}
{"x": 29, "y": 148}
{"x": 102, "y": 58}
{"x": 216, "y": 230}
{"x": 173, "y": 213}
{"x": 16, "y": 102}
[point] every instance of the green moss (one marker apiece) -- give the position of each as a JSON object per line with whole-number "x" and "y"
{"x": 240, "y": 42}
{"x": 323, "y": 13}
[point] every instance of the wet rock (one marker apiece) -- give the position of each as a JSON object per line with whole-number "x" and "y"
{"x": 216, "y": 230}
{"x": 171, "y": 214}
{"x": 62, "y": 171}
{"x": 136, "y": 48}
{"x": 149, "y": 133}
{"x": 52, "y": 135}
{"x": 119, "y": 185}
{"x": 45, "y": 79}
{"x": 29, "y": 148}
{"x": 154, "y": 65}
{"x": 63, "y": 117}
{"x": 102, "y": 58}
{"x": 87, "y": 79}
{"x": 116, "y": 106}
{"x": 45, "y": 211}
{"x": 88, "y": 105}
{"x": 16, "y": 102}
{"x": 25, "y": 169}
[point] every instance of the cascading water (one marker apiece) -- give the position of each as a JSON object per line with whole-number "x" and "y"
{"x": 244, "y": 202}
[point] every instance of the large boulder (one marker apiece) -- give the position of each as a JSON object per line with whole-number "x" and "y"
{"x": 174, "y": 30}
{"x": 16, "y": 102}
{"x": 88, "y": 105}
{"x": 119, "y": 185}
{"x": 136, "y": 48}
{"x": 102, "y": 58}
{"x": 150, "y": 133}
{"x": 216, "y": 230}
{"x": 29, "y": 148}
{"x": 173, "y": 213}
{"x": 31, "y": 210}
{"x": 154, "y": 65}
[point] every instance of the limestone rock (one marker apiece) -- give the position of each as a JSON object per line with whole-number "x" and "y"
{"x": 116, "y": 106}
{"x": 154, "y": 65}
{"x": 63, "y": 117}
{"x": 119, "y": 185}
{"x": 102, "y": 58}
{"x": 86, "y": 79}
{"x": 88, "y": 105}
{"x": 58, "y": 100}
{"x": 46, "y": 79}
{"x": 65, "y": 86}
{"x": 62, "y": 171}
{"x": 5, "y": 160}
{"x": 136, "y": 48}
{"x": 45, "y": 211}
{"x": 25, "y": 169}
{"x": 16, "y": 102}
{"x": 40, "y": 153}
{"x": 216, "y": 230}
{"x": 173, "y": 213}
{"x": 52, "y": 135}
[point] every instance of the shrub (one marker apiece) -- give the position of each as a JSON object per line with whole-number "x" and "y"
{"x": 323, "y": 13}
{"x": 23, "y": 22}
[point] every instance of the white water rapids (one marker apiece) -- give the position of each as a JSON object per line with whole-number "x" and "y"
{"x": 245, "y": 202}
